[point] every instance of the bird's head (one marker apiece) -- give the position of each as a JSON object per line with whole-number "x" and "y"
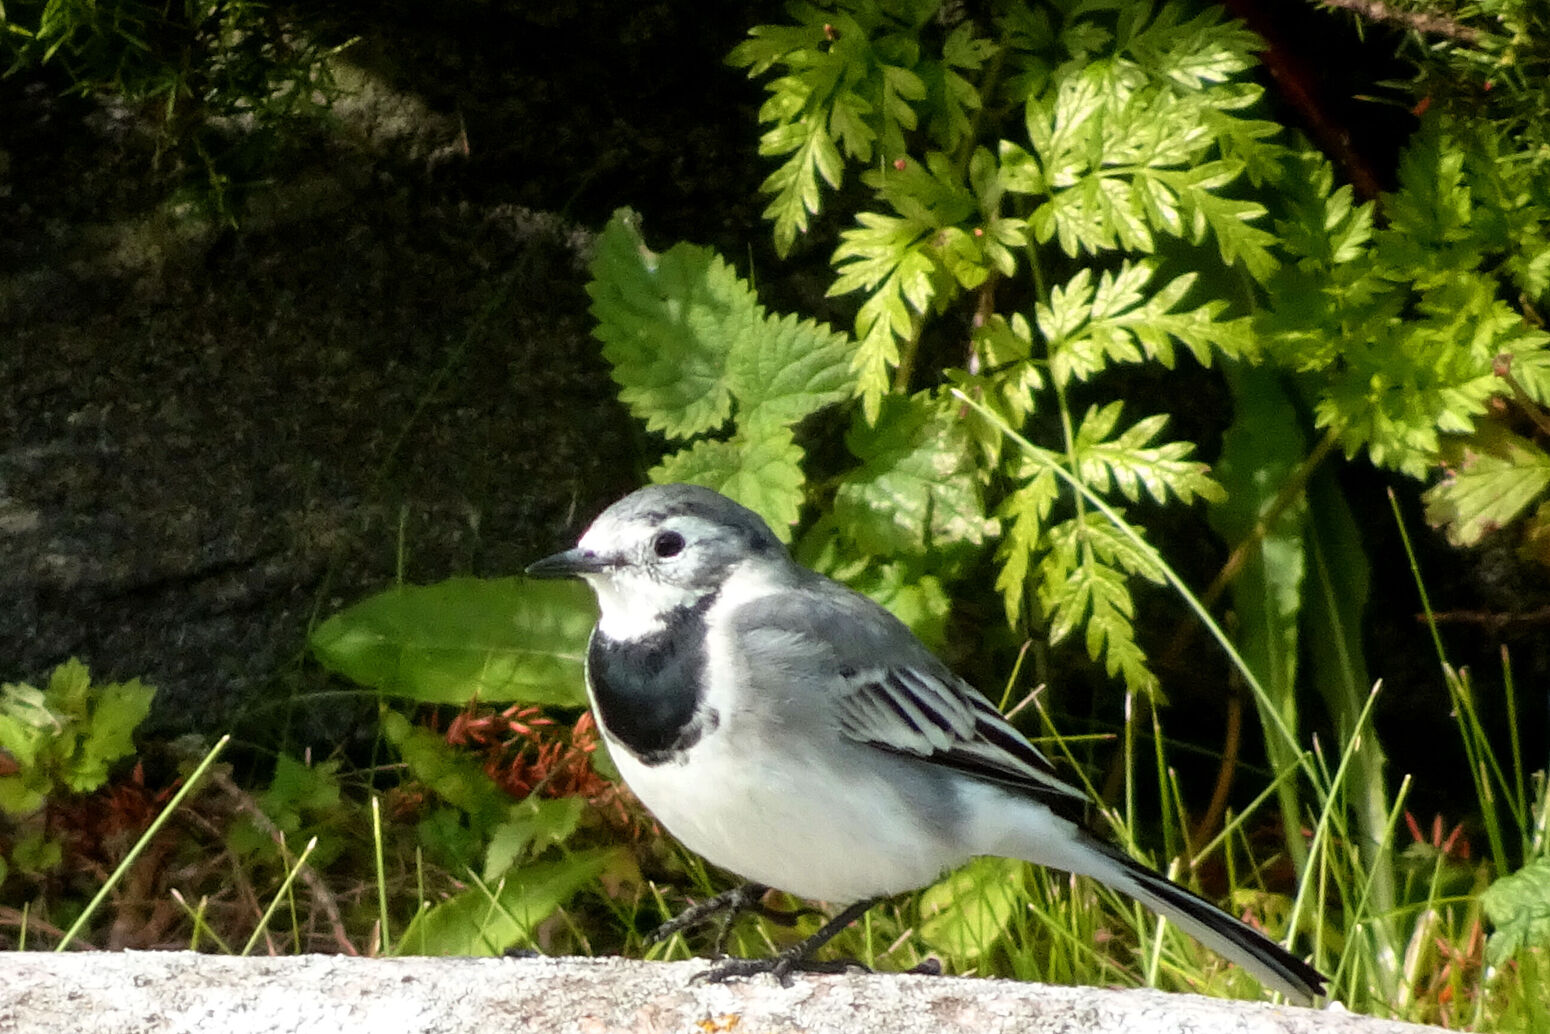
{"x": 662, "y": 548}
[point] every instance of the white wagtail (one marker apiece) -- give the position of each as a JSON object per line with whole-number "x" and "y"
{"x": 794, "y": 732}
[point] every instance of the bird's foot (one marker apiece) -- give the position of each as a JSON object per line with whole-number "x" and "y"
{"x": 738, "y": 899}
{"x": 781, "y": 967}
{"x": 795, "y": 958}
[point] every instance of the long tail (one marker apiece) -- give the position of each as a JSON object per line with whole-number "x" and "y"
{"x": 1232, "y": 939}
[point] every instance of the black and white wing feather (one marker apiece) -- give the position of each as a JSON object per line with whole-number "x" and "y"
{"x": 910, "y": 703}
{"x": 930, "y": 713}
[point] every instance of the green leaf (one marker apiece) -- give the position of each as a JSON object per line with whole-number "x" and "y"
{"x": 1122, "y": 153}
{"x": 666, "y": 322}
{"x": 298, "y": 788}
{"x": 108, "y": 734}
{"x": 781, "y": 370}
{"x": 1325, "y": 226}
{"x": 795, "y": 182}
{"x": 917, "y": 488}
{"x": 1519, "y": 907}
{"x": 69, "y": 691}
{"x": 37, "y": 853}
{"x": 26, "y": 723}
{"x": 918, "y": 600}
{"x": 490, "y": 922}
{"x": 1023, "y": 514}
{"x": 1260, "y": 452}
{"x": 762, "y": 473}
{"x": 301, "y": 799}
{"x": 19, "y": 797}
{"x": 1129, "y": 464}
{"x": 965, "y": 915}
{"x": 452, "y": 776}
{"x": 535, "y": 825}
{"x": 1491, "y": 478}
{"x": 67, "y": 735}
{"x": 1228, "y": 219}
{"x": 1082, "y": 583}
{"x": 500, "y": 639}
{"x": 1090, "y": 327}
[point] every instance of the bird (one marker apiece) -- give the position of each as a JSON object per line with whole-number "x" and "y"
{"x": 796, "y": 734}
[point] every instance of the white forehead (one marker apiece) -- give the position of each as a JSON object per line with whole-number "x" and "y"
{"x": 613, "y": 531}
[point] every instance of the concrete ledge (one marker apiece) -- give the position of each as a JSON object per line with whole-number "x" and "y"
{"x": 175, "y": 992}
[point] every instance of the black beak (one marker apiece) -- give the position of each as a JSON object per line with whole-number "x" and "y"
{"x": 569, "y": 564}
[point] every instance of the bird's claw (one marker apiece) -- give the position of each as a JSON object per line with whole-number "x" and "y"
{"x": 738, "y": 899}
{"x": 781, "y": 967}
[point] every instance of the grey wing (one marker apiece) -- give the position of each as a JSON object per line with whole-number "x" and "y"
{"x": 885, "y": 689}
{"x": 929, "y": 712}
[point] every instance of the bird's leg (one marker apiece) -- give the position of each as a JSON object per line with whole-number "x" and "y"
{"x": 738, "y": 899}
{"x": 794, "y": 958}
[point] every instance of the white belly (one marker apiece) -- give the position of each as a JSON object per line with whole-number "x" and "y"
{"x": 791, "y": 826}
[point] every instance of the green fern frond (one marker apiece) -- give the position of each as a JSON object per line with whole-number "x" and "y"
{"x": 1080, "y": 587}
{"x": 1128, "y": 464}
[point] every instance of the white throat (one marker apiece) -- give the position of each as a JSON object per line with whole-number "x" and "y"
{"x": 632, "y": 608}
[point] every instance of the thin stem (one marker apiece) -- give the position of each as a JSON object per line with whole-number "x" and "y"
{"x": 143, "y": 842}
{"x": 280, "y": 895}
{"x": 1291, "y": 491}
{"x": 908, "y": 349}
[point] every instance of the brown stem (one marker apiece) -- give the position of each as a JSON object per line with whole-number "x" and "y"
{"x": 245, "y": 804}
{"x": 1417, "y": 21}
{"x": 1290, "y": 492}
{"x": 1206, "y": 828}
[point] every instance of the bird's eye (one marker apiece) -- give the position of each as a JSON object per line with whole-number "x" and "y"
{"x": 668, "y": 543}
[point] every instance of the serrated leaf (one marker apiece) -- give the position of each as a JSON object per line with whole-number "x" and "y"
{"x": 69, "y": 689}
{"x": 37, "y": 853}
{"x": 1023, "y": 514}
{"x": 298, "y": 787}
{"x": 1117, "y": 549}
{"x": 795, "y": 182}
{"x": 784, "y": 369}
{"x": 26, "y": 723}
{"x": 453, "y": 776}
{"x": 1491, "y": 478}
{"x": 666, "y": 322}
{"x": 498, "y": 639}
{"x": 1228, "y": 219}
{"x": 762, "y": 471}
{"x": 1078, "y": 587}
{"x": 848, "y": 122}
{"x": 917, "y": 487}
{"x": 1519, "y": 908}
{"x": 966, "y": 914}
{"x": 108, "y": 735}
{"x": 532, "y": 826}
{"x": 19, "y": 797}
{"x": 768, "y": 44}
{"x": 1129, "y": 464}
{"x": 1089, "y": 327}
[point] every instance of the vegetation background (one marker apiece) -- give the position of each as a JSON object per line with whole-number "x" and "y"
{"x": 306, "y": 302}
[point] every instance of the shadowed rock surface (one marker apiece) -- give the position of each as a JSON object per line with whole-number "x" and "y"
{"x": 211, "y": 436}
